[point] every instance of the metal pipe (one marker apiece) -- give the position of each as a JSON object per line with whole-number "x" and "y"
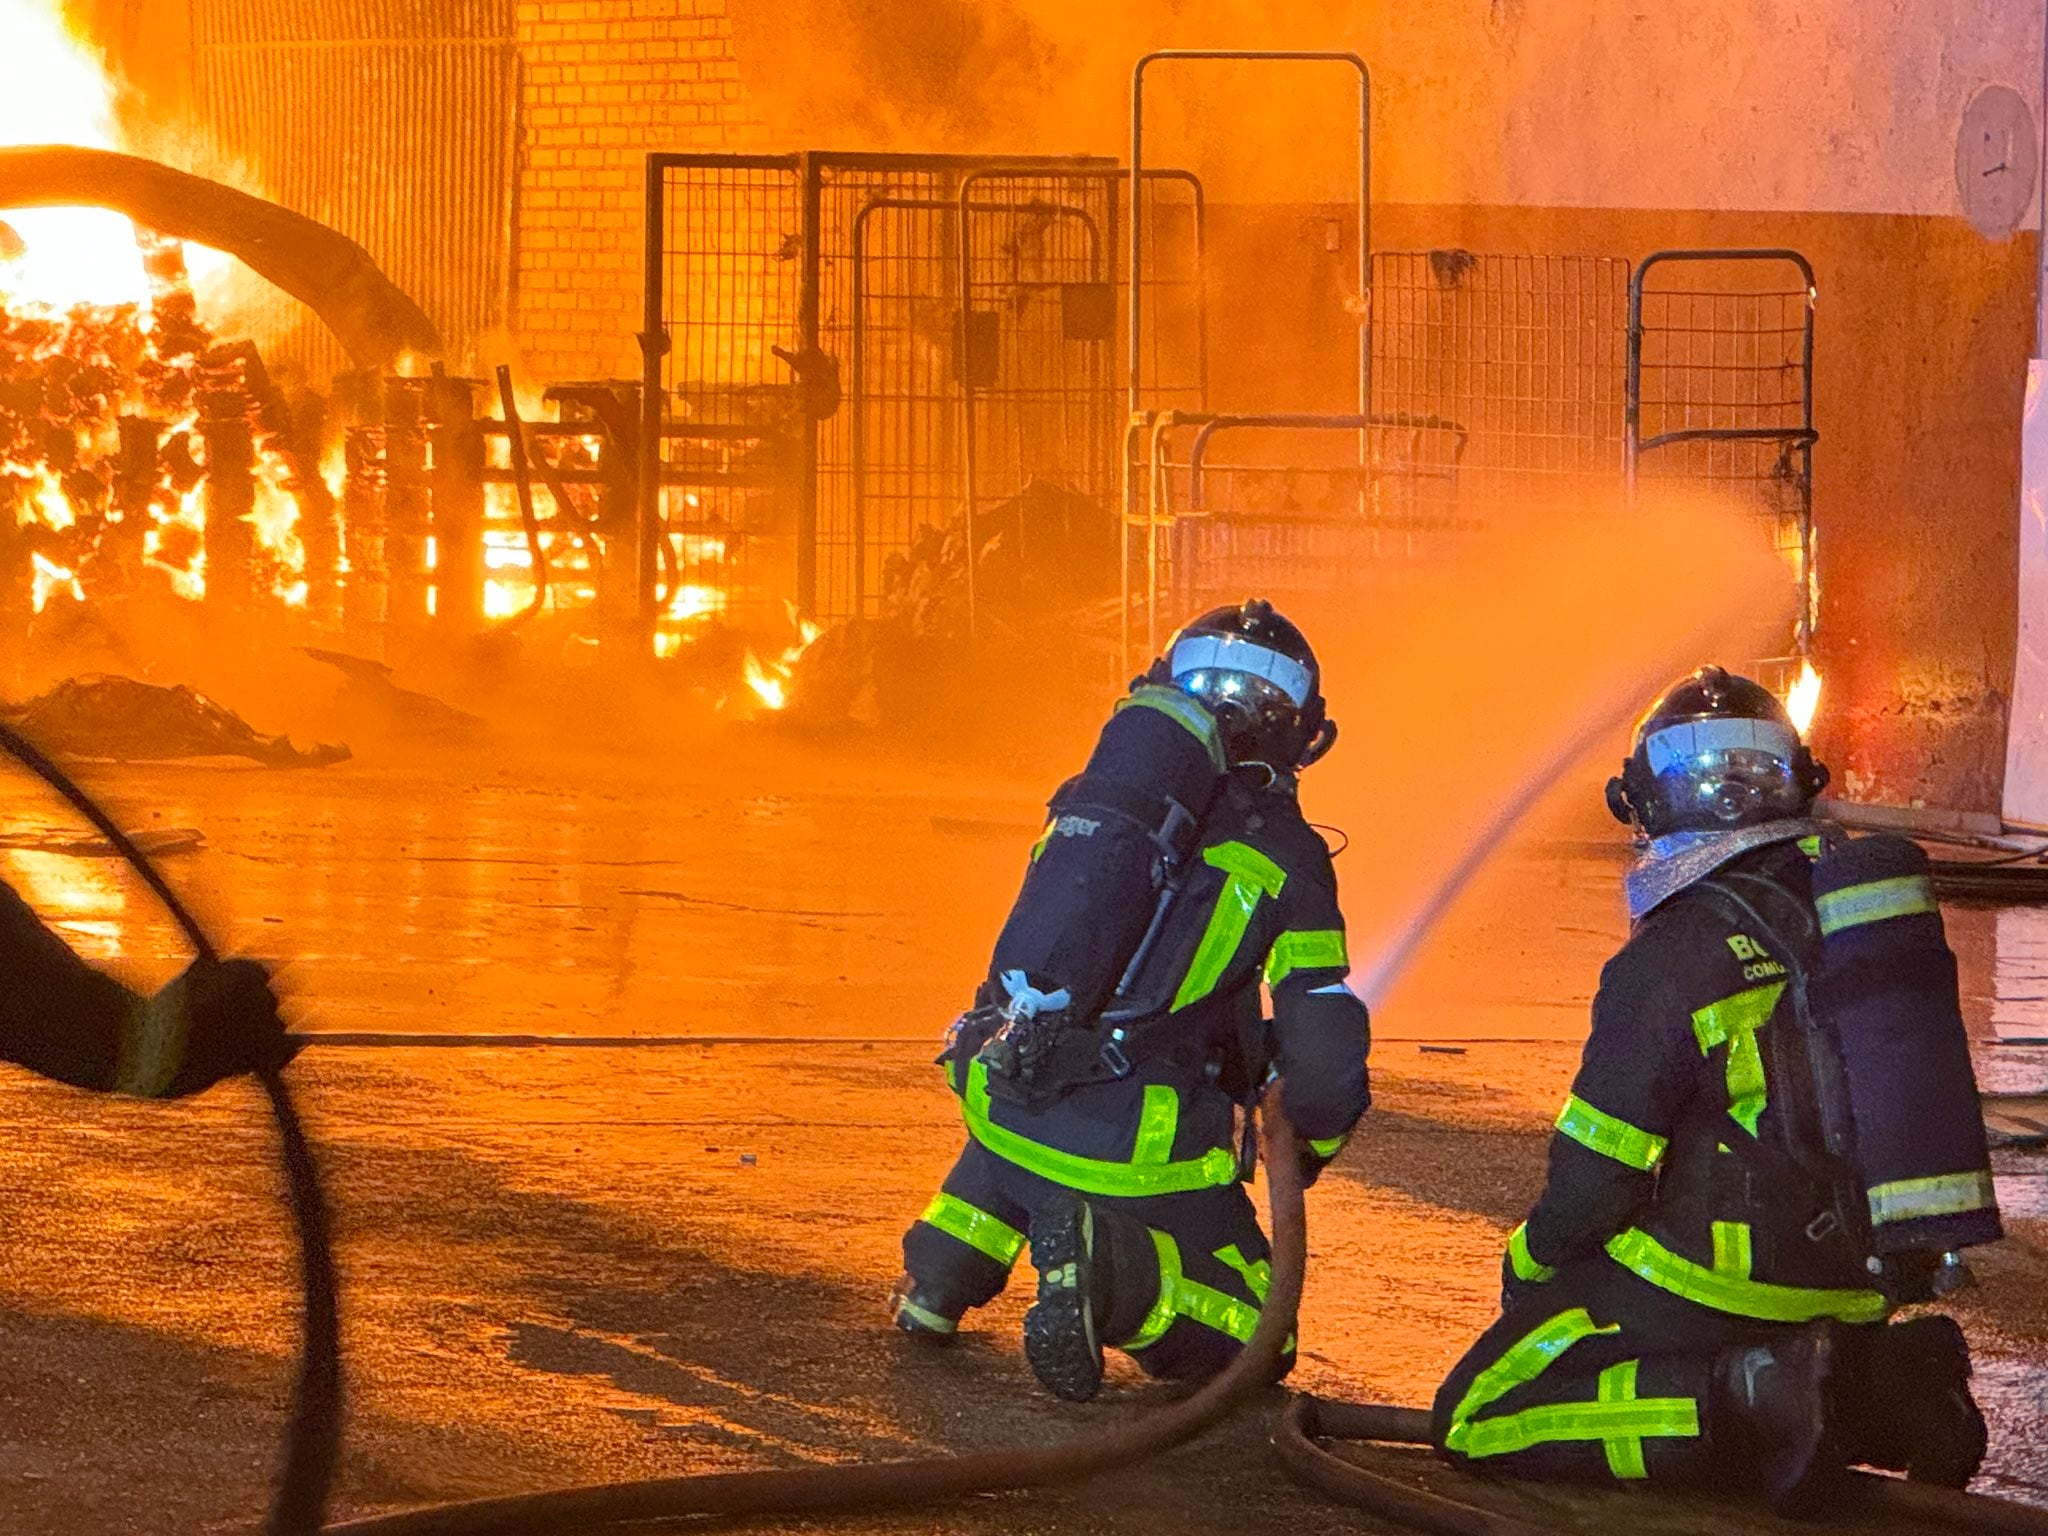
{"x": 2041, "y": 208}
{"x": 645, "y": 527}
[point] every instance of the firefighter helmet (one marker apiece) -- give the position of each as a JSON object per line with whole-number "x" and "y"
{"x": 1714, "y": 752}
{"x": 1254, "y": 670}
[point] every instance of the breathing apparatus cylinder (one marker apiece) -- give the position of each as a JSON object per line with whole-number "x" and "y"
{"x": 1099, "y": 880}
{"x": 1886, "y": 986}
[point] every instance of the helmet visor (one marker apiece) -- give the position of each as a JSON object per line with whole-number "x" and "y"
{"x": 1726, "y": 772}
{"x": 1234, "y": 654}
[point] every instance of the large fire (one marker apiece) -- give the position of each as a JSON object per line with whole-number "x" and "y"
{"x": 106, "y": 372}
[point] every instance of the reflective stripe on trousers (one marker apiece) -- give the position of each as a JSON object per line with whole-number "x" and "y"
{"x": 1617, "y": 1418}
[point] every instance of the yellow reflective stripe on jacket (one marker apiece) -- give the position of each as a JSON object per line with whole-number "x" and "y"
{"x": 1090, "y": 1175}
{"x": 1522, "y": 1260}
{"x": 1946, "y": 1194}
{"x": 1183, "y": 710}
{"x": 1249, "y": 877}
{"x": 1524, "y": 1360}
{"x": 1610, "y": 1135}
{"x": 1640, "y": 1253}
{"x": 1874, "y": 902}
{"x": 1735, "y": 1021}
{"x": 1733, "y": 1254}
{"x": 1320, "y": 949}
{"x": 975, "y": 1227}
{"x": 1158, "y": 1124}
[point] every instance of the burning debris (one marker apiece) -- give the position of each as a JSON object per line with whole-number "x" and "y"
{"x": 128, "y": 721}
{"x": 141, "y": 459}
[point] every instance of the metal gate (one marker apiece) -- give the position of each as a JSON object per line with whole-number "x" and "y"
{"x": 1503, "y": 385}
{"x": 860, "y": 366}
{"x": 1720, "y": 393}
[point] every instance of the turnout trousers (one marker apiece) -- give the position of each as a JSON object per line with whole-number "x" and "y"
{"x": 1194, "y": 1266}
{"x": 1597, "y": 1376}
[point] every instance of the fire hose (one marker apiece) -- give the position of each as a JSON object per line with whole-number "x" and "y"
{"x": 1309, "y": 1421}
{"x": 312, "y": 1442}
{"x": 313, "y": 1435}
{"x": 900, "y": 1484}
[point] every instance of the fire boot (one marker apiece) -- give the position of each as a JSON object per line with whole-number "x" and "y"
{"x": 1097, "y": 1280}
{"x": 1780, "y": 1403}
{"x": 919, "y": 1315}
{"x": 1914, "y": 1413}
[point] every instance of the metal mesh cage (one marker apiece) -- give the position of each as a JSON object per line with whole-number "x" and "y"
{"x": 1720, "y": 388}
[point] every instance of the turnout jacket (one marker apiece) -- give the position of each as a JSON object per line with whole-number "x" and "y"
{"x": 58, "y": 1015}
{"x": 1258, "y": 906}
{"x": 1687, "y": 1150}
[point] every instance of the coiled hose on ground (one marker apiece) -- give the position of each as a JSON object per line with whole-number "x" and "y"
{"x": 1310, "y": 1420}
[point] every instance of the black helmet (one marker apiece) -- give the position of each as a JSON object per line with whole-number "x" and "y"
{"x": 1256, "y": 674}
{"x": 1714, "y": 752}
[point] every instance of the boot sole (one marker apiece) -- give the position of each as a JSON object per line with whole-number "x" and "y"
{"x": 1059, "y": 1330}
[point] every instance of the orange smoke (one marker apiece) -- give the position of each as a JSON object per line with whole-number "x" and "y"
{"x": 1469, "y": 689}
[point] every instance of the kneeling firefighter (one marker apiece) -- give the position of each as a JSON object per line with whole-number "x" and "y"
{"x": 1119, "y": 1036}
{"x": 1773, "y": 1140}
{"x": 64, "y": 1019}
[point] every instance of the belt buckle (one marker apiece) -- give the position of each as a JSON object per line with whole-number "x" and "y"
{"x": 1114, "y": 1058}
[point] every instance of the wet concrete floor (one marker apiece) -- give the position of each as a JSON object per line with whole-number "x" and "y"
{"x": 583, "y": 1261}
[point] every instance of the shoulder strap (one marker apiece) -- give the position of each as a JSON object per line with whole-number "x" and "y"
{"x": 1808, "y": 1154}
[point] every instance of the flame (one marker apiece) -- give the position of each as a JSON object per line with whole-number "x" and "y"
{"x": 53, "y": 90}
{"x": 1803, "y": 700}
{"x": 771, "y": 682}
{"x": 48, "y": 576}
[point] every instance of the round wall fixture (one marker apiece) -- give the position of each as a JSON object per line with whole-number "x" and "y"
{"x": 1998, "y": 164}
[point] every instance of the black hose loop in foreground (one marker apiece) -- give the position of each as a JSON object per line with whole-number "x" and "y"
{"x": 1309, "y": 1420}
{"x": 902, "y": 1484}
{"x": 313, "y": 1438}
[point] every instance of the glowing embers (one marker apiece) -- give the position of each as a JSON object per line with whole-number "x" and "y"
{"x": 770, "y": 681}
{"x": 1803, "y": 700}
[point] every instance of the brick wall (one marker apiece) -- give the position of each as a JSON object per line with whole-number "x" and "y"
{"x": 604, "y": 82}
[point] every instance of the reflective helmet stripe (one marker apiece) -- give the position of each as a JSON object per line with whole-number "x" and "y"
{"x": 1675, "y": 745}
{"x": 1234, "y": 653}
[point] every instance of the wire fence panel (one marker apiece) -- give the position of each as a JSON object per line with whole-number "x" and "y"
{"x": 1525, "y": 354}
{"x": 1721, "y": 396}
{"x": 737, "y": 398}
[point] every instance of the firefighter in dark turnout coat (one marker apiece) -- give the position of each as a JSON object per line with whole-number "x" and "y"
{"x": 1123, "y": 1170}
{"x": 1689, "y": 1298}
{"x": 66, "y": 1020}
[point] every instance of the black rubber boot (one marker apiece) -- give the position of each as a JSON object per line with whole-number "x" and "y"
{"x": 919, "y": 1314}
{"x": 1781, "y": 1401}
{"x": 1060, "y": 1337}
{"x": 1915, "y": 1413}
